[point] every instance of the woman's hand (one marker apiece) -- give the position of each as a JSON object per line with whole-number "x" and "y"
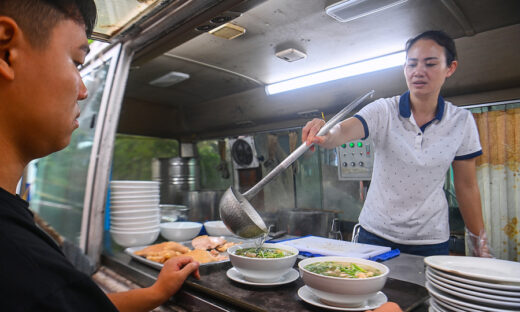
{"x": 346, "y": 131}
{"x": 310, "y": 130}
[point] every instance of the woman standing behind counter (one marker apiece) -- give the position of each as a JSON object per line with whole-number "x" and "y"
{"x": 417, "y": 136}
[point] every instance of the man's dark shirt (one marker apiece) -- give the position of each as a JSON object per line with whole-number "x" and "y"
{"x": 34, "y": 273}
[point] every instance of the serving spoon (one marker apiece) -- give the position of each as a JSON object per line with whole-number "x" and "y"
{"x": 238, "y": 214}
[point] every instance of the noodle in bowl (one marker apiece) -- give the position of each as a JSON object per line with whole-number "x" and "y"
{"x": 262, "y": 270}
{"x": 343, "y": 291}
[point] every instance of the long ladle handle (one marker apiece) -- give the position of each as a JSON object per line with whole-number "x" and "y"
{"x": 304, "y": 147}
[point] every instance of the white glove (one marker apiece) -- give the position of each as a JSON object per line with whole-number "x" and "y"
{"x": 478, "y": 245}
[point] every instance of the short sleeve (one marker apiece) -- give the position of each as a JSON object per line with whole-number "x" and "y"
{"x": 372, "y": 117}
{"x": 470, "y": 145}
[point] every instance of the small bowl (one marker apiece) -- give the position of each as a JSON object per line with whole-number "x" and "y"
{"x": 133, "y": 193}
{"x": 262, "y": 270}
{"x": 134, "y": 224}
{"x": 136, "y": 213}
{"x": 138, "y": 183}
{"x": 180, "y": 231}
{"x": 134, "y": 189}
{"x": 154, "y": 218}
{"x": 119, "y": 208}
{"x": 217, "y": 228}
{"x": 343, "y": 292}
{"x": 134, "y": 238}
{"x": 135, "y": 202}
{"x": 130, "y": 228}
{"x": 132, "y": 197}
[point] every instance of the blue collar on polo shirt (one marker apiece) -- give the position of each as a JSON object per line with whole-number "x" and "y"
{"x": 405, "y": 108}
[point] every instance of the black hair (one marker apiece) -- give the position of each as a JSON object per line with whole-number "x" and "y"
{"x": 441, "y": 38}
{"x": 37, "y": 18}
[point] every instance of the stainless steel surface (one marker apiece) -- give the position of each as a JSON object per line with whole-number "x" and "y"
{"x": 239, "y": 216}
{"x": 406, "y": 267}
{"x": 177, "y": 175}
{"x": 172, "y": 213}
{"x": 236, "y": 211}
{"x": 203, "y": 205}
{"x": 402, "y": 268}
{"x": 301, "y": 222}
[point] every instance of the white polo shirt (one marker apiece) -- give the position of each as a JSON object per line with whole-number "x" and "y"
{"x": 406, "y": 203}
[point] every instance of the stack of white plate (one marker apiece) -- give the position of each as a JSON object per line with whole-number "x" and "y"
{"x": 134, "y": 212}
{"x": 473, "y": 284}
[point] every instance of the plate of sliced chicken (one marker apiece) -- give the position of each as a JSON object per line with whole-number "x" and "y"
{"x": 204, "y": 249}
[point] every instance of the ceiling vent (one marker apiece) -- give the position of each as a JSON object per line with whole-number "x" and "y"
{"x": 349, "y": 10}
{"x": 169, "y": 79}
{"x": 228, "y": 31}
{"x": 291, "y": 55}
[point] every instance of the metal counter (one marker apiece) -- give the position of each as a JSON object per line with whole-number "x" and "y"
{"x": 216, "y": 292}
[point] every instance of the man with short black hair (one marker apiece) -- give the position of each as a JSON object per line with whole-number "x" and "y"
{"x": 42, "y": 42}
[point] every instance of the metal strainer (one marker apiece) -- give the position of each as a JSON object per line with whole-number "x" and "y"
{"x": 238, "y": 214}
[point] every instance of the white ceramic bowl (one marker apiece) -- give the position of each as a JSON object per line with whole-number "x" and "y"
{"x": 262, "y": 270}
{"x": 133, "y": 204}
{"x": 136, "y": 238}
{"x": 343, "y": 292}
{"x": 217, "y": 228}
{"x": 134, "y": 189}
{"x": 133, "y": 228}
{"x": 134, "y": 219}
{"x": 121, "y": 208}
{"x": 134, "y": 224}
{"x": 134, "y": 193}
{"x": 133, "y": 183}
{"x": 180, "y": 231}
{"x": 135, "y": 213}
{"x": 132, "y": 197}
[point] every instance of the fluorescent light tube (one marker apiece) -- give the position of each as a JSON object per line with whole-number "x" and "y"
{"x": 349, "y": 70}
{"x": 349, "y": 10}
{"x": 169, "y": 79}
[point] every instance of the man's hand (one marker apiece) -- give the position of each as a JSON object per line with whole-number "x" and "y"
{"x": 170, "y": 280}
{"x": 173, "y": 274}
{"x": 387, "y": 307}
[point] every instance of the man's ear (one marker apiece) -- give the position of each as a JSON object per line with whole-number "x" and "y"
{"x": 8, "y": 32}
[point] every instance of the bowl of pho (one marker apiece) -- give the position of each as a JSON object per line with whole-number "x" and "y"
{"x": 343, "y": 281}
{"x": 262, "y": 264}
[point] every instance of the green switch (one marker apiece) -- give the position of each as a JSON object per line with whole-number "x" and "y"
{"x": 360, "y": 144}
{"x": 351, "y": 144}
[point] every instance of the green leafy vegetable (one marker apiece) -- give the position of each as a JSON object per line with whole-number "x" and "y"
{"x": 342, "y": 269}
{"x": 263, "y": 252}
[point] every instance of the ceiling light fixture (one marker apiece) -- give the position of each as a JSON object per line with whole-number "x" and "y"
{"x": 349, "y": 70}
{"x": 228, "y": 31}
{"x": 169, "y": 79}
{"x": 349, "y": 10}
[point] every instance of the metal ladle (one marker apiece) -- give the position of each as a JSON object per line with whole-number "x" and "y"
{"x": 238, "y": 214}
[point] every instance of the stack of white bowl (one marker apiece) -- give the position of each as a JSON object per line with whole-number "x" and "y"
{"x": 134, "y": 212}
{"x": 470, "y": 284}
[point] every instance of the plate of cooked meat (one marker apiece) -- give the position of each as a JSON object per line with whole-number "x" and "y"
{"x": 204, "y": 249}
